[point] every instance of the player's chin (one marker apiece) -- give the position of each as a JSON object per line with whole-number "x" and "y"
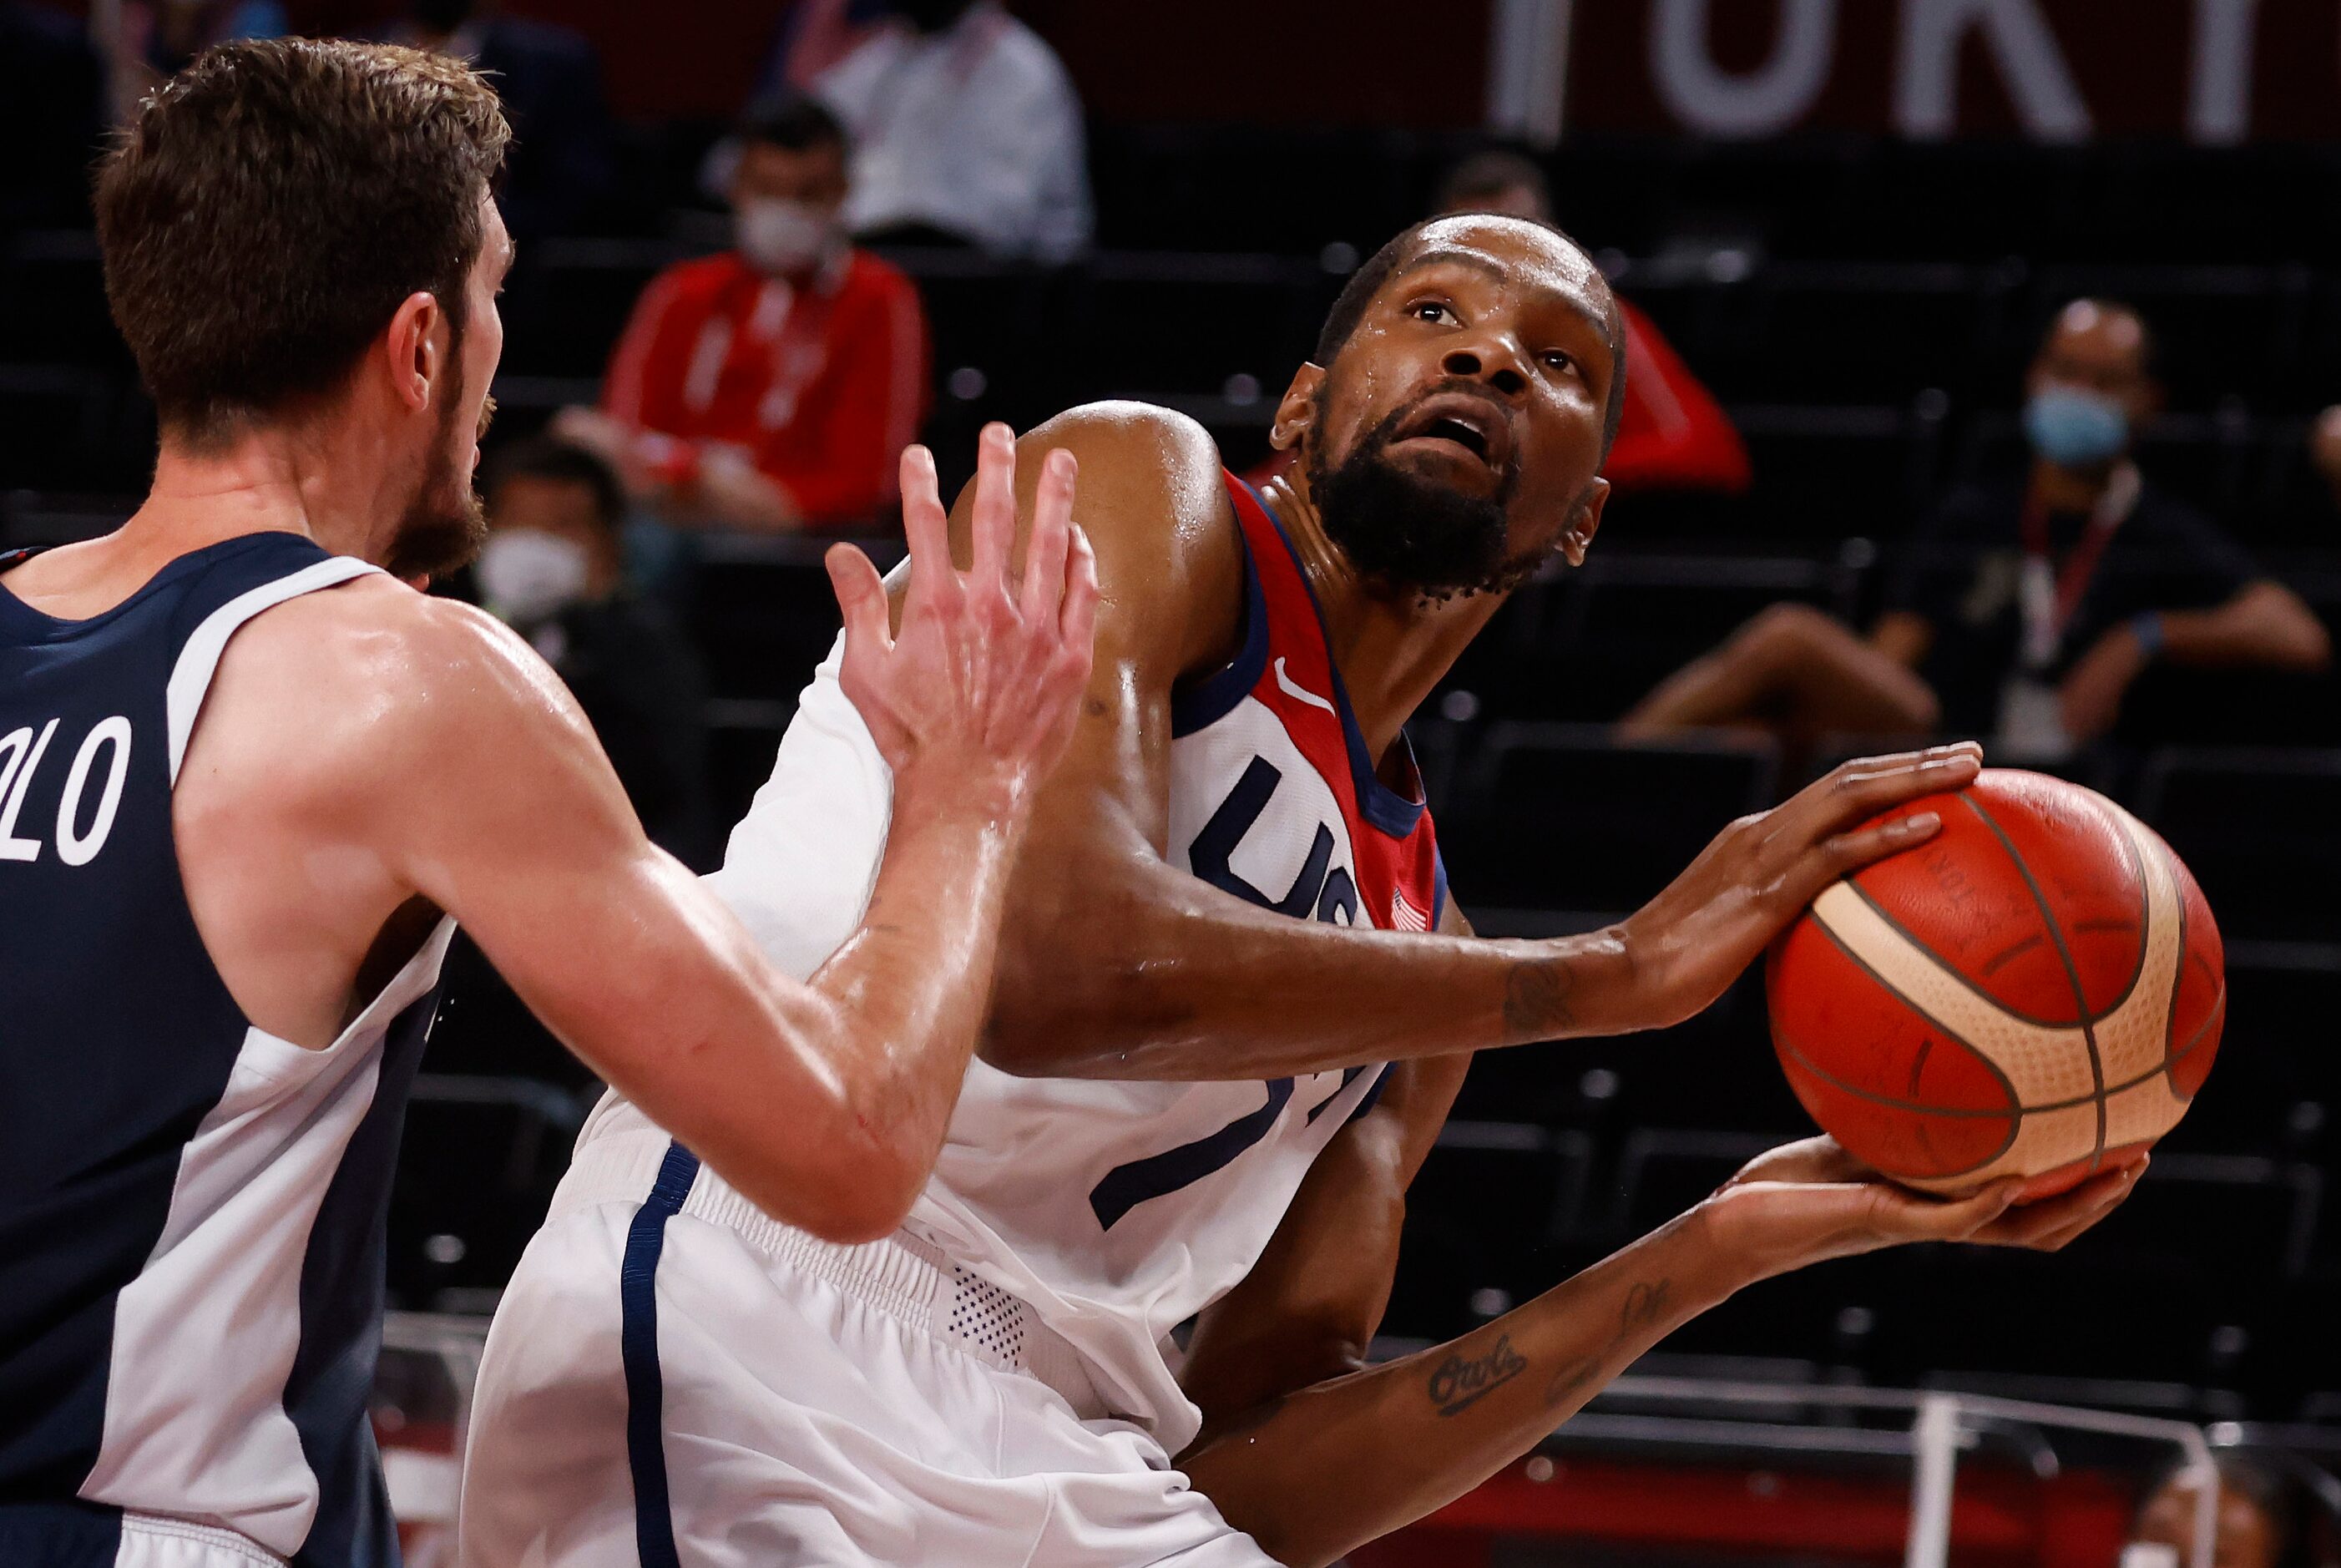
{"x": 1443, "y": 466}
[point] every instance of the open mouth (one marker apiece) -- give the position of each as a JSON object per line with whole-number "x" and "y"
{"x": 1467, "y": 424}
{"x": 1462, "y": 434}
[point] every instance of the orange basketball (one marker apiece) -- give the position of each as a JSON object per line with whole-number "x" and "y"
{"x": 2036, "y": 992}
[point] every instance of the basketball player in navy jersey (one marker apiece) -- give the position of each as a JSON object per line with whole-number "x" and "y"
{"x": 1235, "y": 1004}
{"x": 249, "y": 779}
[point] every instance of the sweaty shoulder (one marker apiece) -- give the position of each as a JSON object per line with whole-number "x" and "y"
{"x": 1153, "y": 500}
{"x": 357, "y": 687}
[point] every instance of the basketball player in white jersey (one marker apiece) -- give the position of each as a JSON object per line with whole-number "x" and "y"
{"x": 249, "y": 778}
{"x": 1234, "y": 1005}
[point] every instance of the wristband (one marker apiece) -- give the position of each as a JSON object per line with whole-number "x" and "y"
{"x": 2146, "y": 627}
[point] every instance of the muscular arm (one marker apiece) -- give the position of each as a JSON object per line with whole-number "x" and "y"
{"x": 1313, "y": 1474}
{"x": 1120, "y": 965}
{"x": 368, "y": 749}
{"x": 1310, "y": 1305}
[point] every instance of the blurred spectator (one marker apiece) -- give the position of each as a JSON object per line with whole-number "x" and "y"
{"x": 562, "y": 166}
{"x": 2264, "y": 1520}
{"x": 551, "y": 569}
{"x": 966, "y": 130}
{"x": 149, "y": 41}
{"x": 815, "y": 34}
{"x": 52, "y": 113}
{"x": 2325, "y": 450}
{"x": 1673, "y": 436}
{"x": 2027, "y": 605}
{"x": 773, "y": 387}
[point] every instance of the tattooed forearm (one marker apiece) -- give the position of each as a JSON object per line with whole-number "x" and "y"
{"x": 1645, "y": 1306}
{"x": 1457, "y": 1384}
{"x": 1536, "y": 996}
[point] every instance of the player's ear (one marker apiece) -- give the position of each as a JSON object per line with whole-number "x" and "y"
{"x": 1298, "y": 409}
{"x": 1585, "y": 522}
{"x": 412, "y": 348}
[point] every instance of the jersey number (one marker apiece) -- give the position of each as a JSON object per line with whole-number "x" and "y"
{"x": 1329, "y": 896}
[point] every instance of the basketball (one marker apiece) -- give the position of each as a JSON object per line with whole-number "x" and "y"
{"x": 2037, "y": 992}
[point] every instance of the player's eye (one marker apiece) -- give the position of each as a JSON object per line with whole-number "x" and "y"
{"x": 1436, "y": 311}
{"x": 1555, "y": 359}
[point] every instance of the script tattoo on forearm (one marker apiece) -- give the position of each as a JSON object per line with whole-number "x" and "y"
{"x": 1645, "y": 1304}
{"x": 1458, "y": 1383}
{"x": 1536, "y": 996}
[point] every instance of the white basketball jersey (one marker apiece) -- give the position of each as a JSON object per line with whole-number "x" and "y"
{"x": 1116, "y": 1209}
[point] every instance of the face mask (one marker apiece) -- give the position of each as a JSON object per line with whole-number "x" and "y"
{"x": 2076, "y": 429}
{"x": 529, "y": 576}
{"x": 779, "y": 237}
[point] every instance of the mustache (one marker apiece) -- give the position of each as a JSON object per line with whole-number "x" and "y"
{"x": 1385, "y": 430}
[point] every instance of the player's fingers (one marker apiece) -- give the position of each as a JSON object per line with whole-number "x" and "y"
{"x": 1077, "y": 613}
{"x": 1050, "y": 541}
{"x": 995, "y": 505}
{"x": 2051, "y": 1223}
{"x": 925, "y": 524}
{"x": 861, "y": 597}
{"x": 1849, "y": 851}
{"x": 1861, "y": 789}
{"x": 1960, "y": 1218}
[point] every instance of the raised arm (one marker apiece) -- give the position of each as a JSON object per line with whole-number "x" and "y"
{"x": 1120, "y": 965}
{"x": 1312, "y": 1473}
{"x": 823, "y": 1102}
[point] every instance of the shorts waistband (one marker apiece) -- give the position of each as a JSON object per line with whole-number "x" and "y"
{"x": 226, "y": 1541}
{"x": 908, "y": 1279}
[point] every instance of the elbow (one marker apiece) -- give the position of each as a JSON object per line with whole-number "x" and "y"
{"x": 862, "y": 1199}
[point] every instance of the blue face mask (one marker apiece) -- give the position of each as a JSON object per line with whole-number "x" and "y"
{"x": 2076, "y": 429}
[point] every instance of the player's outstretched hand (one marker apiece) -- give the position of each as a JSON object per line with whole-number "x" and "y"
{"x": 978, "y": 688}
{"x": 1692, "y": 940}
{"x": 1809, "y": 1200}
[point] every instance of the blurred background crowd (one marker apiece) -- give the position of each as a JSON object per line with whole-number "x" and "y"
{"x": 1983, "y": 367}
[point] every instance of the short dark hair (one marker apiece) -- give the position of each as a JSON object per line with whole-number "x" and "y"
{"x": 550, "y": 458}
{"x": 1490, "y": 173}
{"x": 1350, "y": 308}
{"x": 267, "y": 211}
{"x": 796, "y": 121}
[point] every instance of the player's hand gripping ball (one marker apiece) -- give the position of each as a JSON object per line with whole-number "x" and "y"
{"x": 2037, "y": 992}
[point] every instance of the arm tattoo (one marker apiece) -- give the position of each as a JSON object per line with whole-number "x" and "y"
{"x": 1645, "y": 1304}
{"x": 1536, "y": 996}
{"x": 1457, "y": 1384}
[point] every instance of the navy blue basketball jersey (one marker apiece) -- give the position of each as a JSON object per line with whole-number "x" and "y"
{"x": 191, "y": 1210}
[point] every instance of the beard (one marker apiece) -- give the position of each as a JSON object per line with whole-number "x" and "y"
{"x": 1412, "y": 534}
{"x": 444, "y": 525}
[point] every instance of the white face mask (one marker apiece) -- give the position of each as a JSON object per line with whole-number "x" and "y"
{"x": 530, "y": 576}
{"x": 777, "y": 237}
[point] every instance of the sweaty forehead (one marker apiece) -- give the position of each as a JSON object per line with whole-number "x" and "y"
{"x": 1514, "y": 251}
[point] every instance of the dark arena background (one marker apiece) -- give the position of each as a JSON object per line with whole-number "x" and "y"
{"x": 1848, "y": 229}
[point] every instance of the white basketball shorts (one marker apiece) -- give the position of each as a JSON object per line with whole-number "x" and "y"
{"x": 673, "y": 1378}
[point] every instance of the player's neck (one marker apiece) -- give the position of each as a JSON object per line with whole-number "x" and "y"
{"x": 1391, "y": 649}
{"x": 286, "y": 480}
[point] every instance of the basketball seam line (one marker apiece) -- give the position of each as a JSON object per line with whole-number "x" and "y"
{"x": 2014, "y": 1118}
{"x": 1887, "y": 986}
{"x": 2081, "y": 1003}
{"x": 1968, "y": 1114}
{"x": 2072, "y": 970}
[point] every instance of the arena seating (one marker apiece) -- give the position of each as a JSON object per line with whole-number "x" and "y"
{"x": 1857, "y": 308}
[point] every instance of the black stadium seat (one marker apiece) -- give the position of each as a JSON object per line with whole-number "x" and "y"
{"x": 2255, "y": 825}
{"x": 1481, "y": 1216}
{"x": 1560, "y": 821}
{"x": 476, "y": 1169}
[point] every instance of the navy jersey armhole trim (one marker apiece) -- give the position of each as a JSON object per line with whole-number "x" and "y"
{"x": 1198, "y": 704}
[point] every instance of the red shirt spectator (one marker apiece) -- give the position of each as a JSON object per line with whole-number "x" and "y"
{"x": 822, "y": 383}
{"x": 1671, "y": 434}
